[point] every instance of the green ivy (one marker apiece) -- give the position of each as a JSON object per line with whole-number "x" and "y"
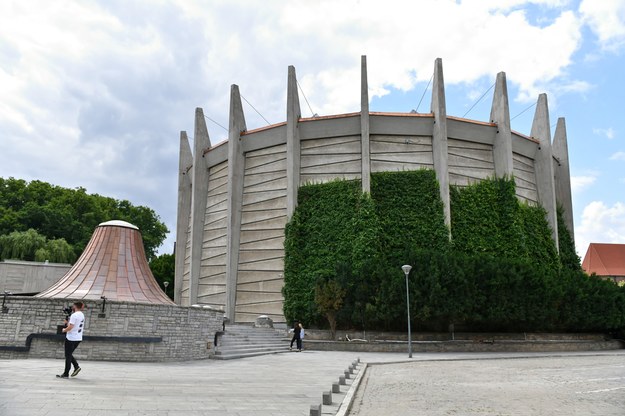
{"x": 500, "y": 271}
{"x": 410, "y": 212}
{"x": 568, "y": 255}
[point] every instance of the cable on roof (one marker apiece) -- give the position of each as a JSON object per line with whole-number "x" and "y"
{"x": 524, "y": 110}
{"x": 305, "y": 99}
{"x": 478, "y": 100}
{"x": 215, "y": 122}
{"x": 426, "y": 90}
{"x": 258, "y": 112}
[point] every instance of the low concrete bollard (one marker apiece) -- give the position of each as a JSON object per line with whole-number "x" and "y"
{"x": 342, "y": 380}
{"x": 315, "y": 410}
{"x": 347, "y": 375}
{"x": 350, "y": 369}
{"x": 327, "y": 397}
{"x": 354, "y": 363}
{"x": 358, "y": 360}
{"x": 336, "y": 388}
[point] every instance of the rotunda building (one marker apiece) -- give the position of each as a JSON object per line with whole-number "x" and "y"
{"x": 234, "y": 199}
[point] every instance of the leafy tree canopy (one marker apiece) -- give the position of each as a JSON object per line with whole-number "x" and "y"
{"x": 64, "y": 217}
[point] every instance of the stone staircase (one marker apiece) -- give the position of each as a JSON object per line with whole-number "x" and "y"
{"x": 241, "y": 340}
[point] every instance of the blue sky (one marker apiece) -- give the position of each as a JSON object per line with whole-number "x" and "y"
{"x": 95, "y": 93}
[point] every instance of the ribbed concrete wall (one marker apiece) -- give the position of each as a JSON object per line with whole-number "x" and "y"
{"x": 212, "y": 284}
{"x": 329, "y": 158}
{"x": 263, "y": 217}
{"x": 397, "y": 153}
{"x": 525, "y": 178}
{"x": 469, "y": 162}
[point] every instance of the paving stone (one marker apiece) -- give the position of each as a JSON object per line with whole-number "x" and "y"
{"x": 282, "y": 384}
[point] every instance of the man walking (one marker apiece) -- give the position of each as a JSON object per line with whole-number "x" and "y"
{"x": 73, "y": 331}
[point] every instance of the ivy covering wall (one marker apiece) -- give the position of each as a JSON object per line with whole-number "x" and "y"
{"x": 499, "y": 271}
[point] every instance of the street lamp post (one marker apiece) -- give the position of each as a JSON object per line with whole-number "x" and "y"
{"x": 406, "y": 268}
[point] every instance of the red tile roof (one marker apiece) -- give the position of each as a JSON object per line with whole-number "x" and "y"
{"x": 113, "y": 265}
{"x": 605, "y": 259}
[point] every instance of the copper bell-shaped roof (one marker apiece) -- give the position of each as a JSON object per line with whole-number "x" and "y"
{"x": 113, "y": 265}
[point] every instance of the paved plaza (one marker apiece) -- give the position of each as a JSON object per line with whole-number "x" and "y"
{"x": 549, "y": 385}
{"x": 287, "y": 384}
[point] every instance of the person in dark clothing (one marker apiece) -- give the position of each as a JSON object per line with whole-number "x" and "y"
{"x": 296, "y": 336}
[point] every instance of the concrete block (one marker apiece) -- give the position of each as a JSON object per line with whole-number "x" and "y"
{"x": 327, "y": 397}
{"x": 347, "y": 375}
{"x": 315, "y": 410}
{"x": 342, "y": 380}
{"x": 263, "y": 321}
{"x": 336, "y": 388}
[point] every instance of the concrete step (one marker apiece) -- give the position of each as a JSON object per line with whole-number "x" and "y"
{"x": 252, "y": 336}
{"x": 238, "y": 344}
{"x": 244, "y": 355}
{"x": 251, "y": 349}
{"x": 240, "y": 341}
{"x": 240, "y": 347}
{"x": 253, "y": 331}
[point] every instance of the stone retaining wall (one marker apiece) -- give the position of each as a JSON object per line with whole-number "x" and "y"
{"x": 489, "y": 345}
{"x": 372, "y": 336}
{"x": 124, "y": 332}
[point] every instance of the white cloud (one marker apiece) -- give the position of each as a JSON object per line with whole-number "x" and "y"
{"x": 618, "y": 156}
{"x": 579, "y": 183}
{"x": 94, "y": 93}
{"x": 606, "y": 18}
{"x": 609, "y": 132}
{"x": 600, "y": 224}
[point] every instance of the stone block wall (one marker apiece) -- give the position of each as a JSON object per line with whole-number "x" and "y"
{"x": 126, "y": 331}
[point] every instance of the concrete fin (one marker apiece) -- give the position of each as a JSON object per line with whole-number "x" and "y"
{"x": 185, "y": 164}
{"x": 198, "y": 201}
{"x": 236, "y": 171}
{"x": 439, "y": 137}
{"x": 543, "y": 163}
{"x": 500, "y": 114}
{"x": 563, "y": 174}
{"x": 293, "y": 148}
{"x": 364, "y": 127}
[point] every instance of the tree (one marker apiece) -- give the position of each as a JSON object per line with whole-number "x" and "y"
{"x": 31, "y": 246}
{"x": 329, "y": 297}
{"x": 71, "y": 214}
{"x": 163, "y": 268}
{"x": 21, "y": 245}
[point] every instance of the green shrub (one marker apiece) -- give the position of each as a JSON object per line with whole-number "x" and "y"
{"x": 499, "y": 272}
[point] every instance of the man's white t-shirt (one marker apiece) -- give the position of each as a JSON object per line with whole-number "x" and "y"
{"x": 78, "y": 320}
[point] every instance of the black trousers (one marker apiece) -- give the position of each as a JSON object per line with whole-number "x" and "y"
{"x": 295, "y": 338}
{"x": 70, "y": 347}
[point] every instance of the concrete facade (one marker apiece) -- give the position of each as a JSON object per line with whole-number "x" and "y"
{"x": 253, "y": 180}
{"x": 29, "y": 276}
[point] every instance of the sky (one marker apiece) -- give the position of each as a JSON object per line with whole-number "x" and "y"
{"x": 94, "y": 94}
